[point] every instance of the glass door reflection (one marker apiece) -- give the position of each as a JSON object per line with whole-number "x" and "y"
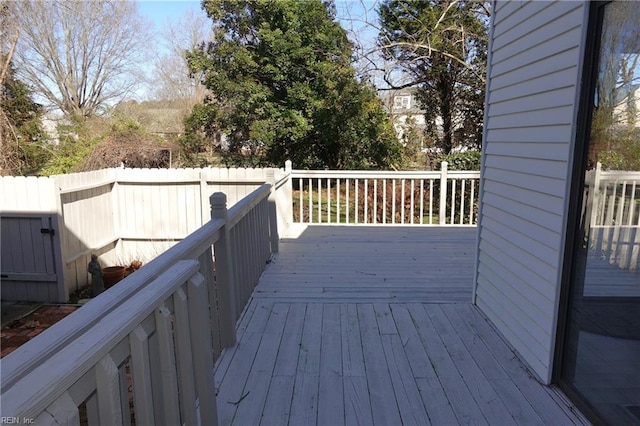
{"x": 601, "y": 361}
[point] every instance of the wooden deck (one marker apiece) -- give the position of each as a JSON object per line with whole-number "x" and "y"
{"x": 374, "y": 326}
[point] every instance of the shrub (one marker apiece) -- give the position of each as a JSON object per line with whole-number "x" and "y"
{"x": 469, "y": 160}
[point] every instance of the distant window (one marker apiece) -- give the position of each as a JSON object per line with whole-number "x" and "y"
{"x": 402, "y": 102}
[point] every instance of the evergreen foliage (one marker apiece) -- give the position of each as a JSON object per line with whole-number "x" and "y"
{"x": 469, "y": 160}
{"x": 24, "y": 140}
{"x": 284, "y": 88}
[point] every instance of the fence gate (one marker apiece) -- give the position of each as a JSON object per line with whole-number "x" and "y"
{"x": 29, "y": 258}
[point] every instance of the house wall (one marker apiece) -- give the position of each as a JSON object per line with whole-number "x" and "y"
{"x": 532, "y": 90}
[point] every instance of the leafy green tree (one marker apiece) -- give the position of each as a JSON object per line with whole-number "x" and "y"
{"x": 441, "y": 49}
{"x": 284, "y": 88}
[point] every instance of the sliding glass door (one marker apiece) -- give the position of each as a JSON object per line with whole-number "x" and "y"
{"x": 600, "y": 364}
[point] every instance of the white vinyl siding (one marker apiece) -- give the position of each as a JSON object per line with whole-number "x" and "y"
{"x": 529, "y": 135}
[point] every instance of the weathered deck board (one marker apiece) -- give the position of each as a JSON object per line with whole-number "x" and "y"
{"x": 331, "y": 392}
{"x": 304, "y": 406}
{"x": 344, "y": 354}
{"x": 364, "y": 263}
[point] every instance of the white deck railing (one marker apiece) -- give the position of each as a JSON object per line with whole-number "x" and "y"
{"x": 613, "y": 203}
{"x": 161, "y": 328}
{"x": 381, "y": 197}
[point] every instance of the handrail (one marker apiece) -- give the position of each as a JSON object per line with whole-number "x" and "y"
{"x": 367, "y": 174}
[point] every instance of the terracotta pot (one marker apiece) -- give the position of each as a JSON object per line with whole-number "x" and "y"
{"x": 111, "y": 275}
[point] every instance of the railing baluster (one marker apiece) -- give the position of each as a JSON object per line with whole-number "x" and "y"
{"x": 93, "y": 414}
{"x": 393, "y": 201}
{"x": 617, "y": 246}
{"x": 375, "y": 201}
{"x": 632, "y": 204}
{"x": 310, "y": 200}
{"x": 338, "y": 196}
{"x": 201, "y": 348}
{"x": 328, "y": 200}
{"x": 462, "y": 194}
{"x": 347, "y": 202}
{"x": 245, "y": 244}
{"x": 430, "y": 201}
{"x": 442, "y": 212}
{"x": 402, "y": 199}
{"x": 421, "y": 201}
{"x": 366, "y": 199}
{"x": 61, "y": 412}
{"x": 472, "y": 201}
{"x": 301, "y": 196}
{"x": 356, "y": 203}
{"x": 108, "y": 386}
{"x": 168, "y": 378}
{"x": 184, "y": 358}
{"x": 384, "y": 200}
{"x": 124, "y": 395}
{"x": 319, "y": 200}
{"x": 412, "y": 189}
{"x": 141, "y": 375}
{"x": 453, "y": 200}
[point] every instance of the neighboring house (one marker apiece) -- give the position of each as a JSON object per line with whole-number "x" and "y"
{"x": 567, "y": 302}
{"x": 405, "y": 112}
{"x": 408, "y": 118}
{"x": 627, "y": 109}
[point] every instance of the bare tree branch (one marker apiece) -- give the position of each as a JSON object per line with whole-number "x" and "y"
{"x": 5, "y": 66}
{"x": 80, "y": 56}
{"x": 172, "y": 78}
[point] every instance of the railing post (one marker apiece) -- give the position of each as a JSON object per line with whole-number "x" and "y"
{"x": 442, "y": 213}
{"x": 288, "y": 206}
{"x": 273, "y": 211}
{"x": 225, "y": 280}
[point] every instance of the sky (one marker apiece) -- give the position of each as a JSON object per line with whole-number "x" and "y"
{"x": 162, "y": 11}
{"x": 159, "y": 12}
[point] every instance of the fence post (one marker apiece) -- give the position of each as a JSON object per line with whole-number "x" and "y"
{"x": 225, "y": 280}
{"x": 273, "y": 211}
{"x": 442, "y": 213}
{"x": 59, "y": 243}
{"x": 203, "y": 197}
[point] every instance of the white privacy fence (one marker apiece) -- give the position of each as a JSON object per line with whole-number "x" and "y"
{"x": 119, "y": 214}
{"x": 386, "y": 197}
{"x": 613, "y": 205}
{"x": 143, "y": 352}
